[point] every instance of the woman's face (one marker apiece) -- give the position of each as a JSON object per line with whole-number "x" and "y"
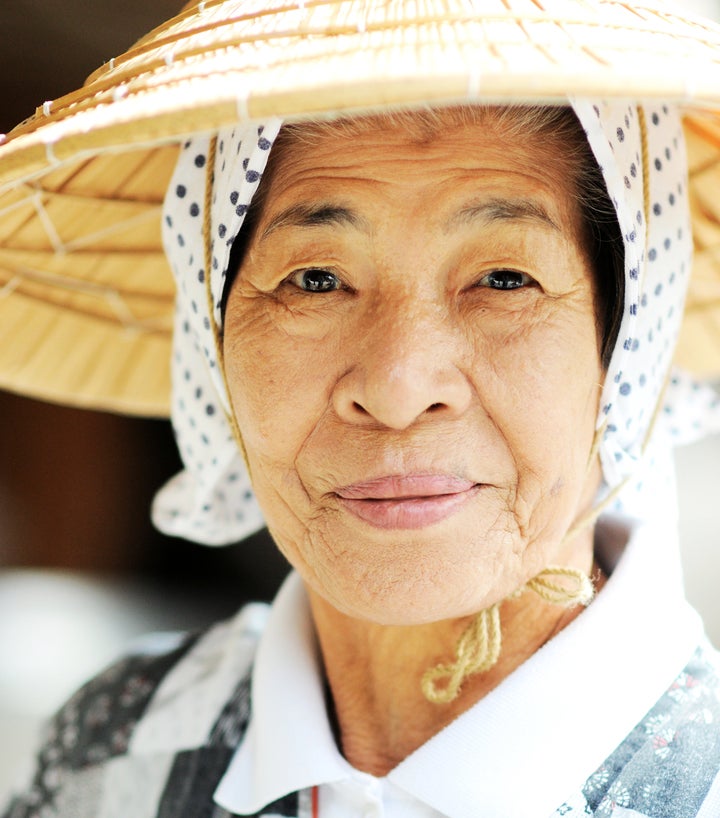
{"x": 412, "y": 357}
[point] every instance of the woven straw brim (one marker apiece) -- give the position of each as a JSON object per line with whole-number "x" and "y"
{"x": 86, "y": 297}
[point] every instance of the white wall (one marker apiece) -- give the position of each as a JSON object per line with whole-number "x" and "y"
{"x": 699, "y": 497}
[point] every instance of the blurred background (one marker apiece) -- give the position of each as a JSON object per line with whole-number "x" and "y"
{"x": 82, "y": 572}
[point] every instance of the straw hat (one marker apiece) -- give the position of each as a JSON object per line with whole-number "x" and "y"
{"x": 86, "y": 297}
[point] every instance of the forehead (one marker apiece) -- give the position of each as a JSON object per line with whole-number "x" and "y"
{"x": 534, "y": 128}
{"x": 435, "y": 154}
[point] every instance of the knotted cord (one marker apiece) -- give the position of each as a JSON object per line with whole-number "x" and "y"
{"x": 478, "y": 648}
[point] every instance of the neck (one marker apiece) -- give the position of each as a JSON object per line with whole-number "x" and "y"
{"x": 375, "y": 674}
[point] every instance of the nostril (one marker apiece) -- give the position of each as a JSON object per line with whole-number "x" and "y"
{"x": 435, "y": 406}
{"x": 358, "y": 407}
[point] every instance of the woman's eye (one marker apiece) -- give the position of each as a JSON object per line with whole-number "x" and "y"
{"x": 506, "y": 280}
{"x": 315, "y": 281}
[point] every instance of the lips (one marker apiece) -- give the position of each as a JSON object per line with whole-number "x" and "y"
{"x": 407, "y": 501}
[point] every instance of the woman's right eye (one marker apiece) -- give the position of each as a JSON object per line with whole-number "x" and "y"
{"x": 506, "y": 280}
{"x": 315, "y": 281}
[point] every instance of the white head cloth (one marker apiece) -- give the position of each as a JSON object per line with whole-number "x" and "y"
{"x": 211, "y": 501}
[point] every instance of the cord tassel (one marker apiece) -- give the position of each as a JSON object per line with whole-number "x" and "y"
{"x": 478, "y": 648}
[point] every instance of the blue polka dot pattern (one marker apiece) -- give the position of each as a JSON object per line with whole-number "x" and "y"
{"x": 658, "y": 250}
{"x": 212, "y": 502}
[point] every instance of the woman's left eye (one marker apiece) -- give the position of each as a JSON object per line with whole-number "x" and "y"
{"x": 506, "y": 280}
{"x": 315, "y": 281}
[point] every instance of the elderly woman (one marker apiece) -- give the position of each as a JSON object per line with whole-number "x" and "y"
{"x": 437, "y": 339}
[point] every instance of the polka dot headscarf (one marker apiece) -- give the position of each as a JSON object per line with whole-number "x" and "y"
{"x": 211, "y": 501}
{"x": 641, "y": 153}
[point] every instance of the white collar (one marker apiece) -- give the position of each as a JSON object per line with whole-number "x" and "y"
{"x": 522, "y": 749}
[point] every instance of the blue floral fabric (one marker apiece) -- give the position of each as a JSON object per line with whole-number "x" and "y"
{"x": 666, "y": 765}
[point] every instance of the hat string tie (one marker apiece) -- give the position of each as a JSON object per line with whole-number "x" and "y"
{"x": 478, "y": 648}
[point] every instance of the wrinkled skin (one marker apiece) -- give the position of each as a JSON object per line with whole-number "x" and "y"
{"x": 412, "y": 360}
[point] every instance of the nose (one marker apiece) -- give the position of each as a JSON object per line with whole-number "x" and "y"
{"x": 407, "y": 365}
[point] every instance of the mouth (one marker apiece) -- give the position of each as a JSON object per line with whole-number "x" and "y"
{"x": 407, "y": 501}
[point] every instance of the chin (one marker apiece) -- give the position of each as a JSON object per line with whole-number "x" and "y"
{"x": 411, "y": 577}
{"x": 408, "y": 598}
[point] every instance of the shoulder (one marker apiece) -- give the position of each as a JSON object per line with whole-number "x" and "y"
{"x": 154, "y": 709}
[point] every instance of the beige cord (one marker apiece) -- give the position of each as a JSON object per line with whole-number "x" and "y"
{"x": 478, "y": 649}
{"x": 645, "y": 158}
{"x": 579, "y": 591}
{"x": 207, "y": 241}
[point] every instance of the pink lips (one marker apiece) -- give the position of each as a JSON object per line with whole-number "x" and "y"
{"x": 407, "y": 501}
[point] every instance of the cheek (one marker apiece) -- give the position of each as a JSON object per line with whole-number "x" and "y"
{"x": 278, "y": 385}
{"x": 542, "y": 392}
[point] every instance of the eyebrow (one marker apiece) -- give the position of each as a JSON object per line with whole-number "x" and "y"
{"x": 316, "y": 215}
{"x": 499, "y": 210}
{"x": 323, "y": 214}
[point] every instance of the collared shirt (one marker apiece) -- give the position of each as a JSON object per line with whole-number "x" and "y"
{"x": 524, "y": 750}
{"x": 617, "y": 717}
